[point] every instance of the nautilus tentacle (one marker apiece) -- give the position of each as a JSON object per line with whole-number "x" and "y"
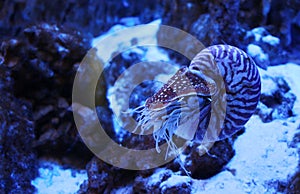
{"x": 210, "y": 100}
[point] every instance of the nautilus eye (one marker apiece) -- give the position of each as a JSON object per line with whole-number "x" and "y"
{"x": 222, "y": 78}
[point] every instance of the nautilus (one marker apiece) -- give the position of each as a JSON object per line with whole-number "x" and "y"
{"x": 209, "y": 100}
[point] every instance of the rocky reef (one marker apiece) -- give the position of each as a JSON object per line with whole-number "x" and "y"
{"x": 43, "y": 43}
{"x": 18, "y": 164}
{"x": 36, "y": 83}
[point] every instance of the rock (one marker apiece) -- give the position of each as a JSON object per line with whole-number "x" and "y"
{"x": 210, "y": 163}
{"x": 265, "y": 48}
{"x": 277, "y": 100}
{"x": 86, "y": 16}
{"x": 103, "y": 178}
{"x": 264, "y": 112}
{"x": 18, "y": 158}
{"x": 176, "y": 184}
{"x": 260, "y": 58}
{"x": 173, "y": 179}
{"x": 151, "y": 183}
{"x": 293, "y": 185}
{"x": 211, "y": 22}
{"x": 128, "y": 88}
{"x": 202, "y": 19}
{"x": 248, "y": 16}
{"x": 57, "y": 43}
{"x": 228, "y": 22}
{"x": 43, "y": 65}
{"x": 278, "y": 17}
{"x": 163, "y": 181}
{"x": 18, "y": 164}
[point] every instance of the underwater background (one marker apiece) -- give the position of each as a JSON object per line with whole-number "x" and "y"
{"x": 42, "y": 46}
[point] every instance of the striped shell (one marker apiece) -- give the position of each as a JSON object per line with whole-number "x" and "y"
{"x": 240, "y": 78}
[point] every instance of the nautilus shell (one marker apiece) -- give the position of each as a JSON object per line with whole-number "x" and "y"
{"x": 209, "y": 100}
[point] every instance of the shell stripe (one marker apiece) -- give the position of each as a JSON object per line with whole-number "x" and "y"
{"x": 241, "y": 79}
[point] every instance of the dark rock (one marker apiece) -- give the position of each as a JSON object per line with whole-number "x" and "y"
{"x": 296, "y": 139}
{"x": 278, "y": 17}
{"x": 228, "y": 22}
{"x": 264, "y": 112}
{"x": 151, "y": 183}
{"x": 162, "y": 181}
{"x": 204, "y": 162}
{"x": 210, "y": 163}
{"x": 280, "y": 186}
{"x": 138, "y": 95}
{"x": 270, "y": 46}
{"x": 103, "y": 177}
{"x": 83, "y": 187}
{"x": 6, "y": 80}
{"x": 253, "y": 13}
{"x": 18, "y": 159}
{"x": 52, "y": 41}
{"x": 118, "y": 65}
{"x": 277, "y": 101}
{"x": 183, "y": 187}
{"x": 293, "y": 186}
{"x": 201, "y": 167}
{"x": 12, "y": 52}
{"x": 211, "y": 22}
{"x": 86, "y": 16}
{"x": 42, "y": 66}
